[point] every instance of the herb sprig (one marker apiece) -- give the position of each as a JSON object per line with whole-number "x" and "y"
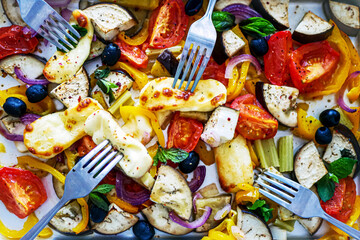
{"x": 175, "y": 155}
{"x": 105, "y": 86}
{"x": 97, "y": 196}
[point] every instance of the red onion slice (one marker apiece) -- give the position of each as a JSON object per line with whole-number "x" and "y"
{"x": 66, "y": 14}
{"x": 198, "y": 178}
{"x": 134, "y": 198}
{"x": 241, "y": 11}
{"x": 20, "y": 75}
{"x": 222, "y": 212}
{"x": 58, "y": 3}
{"x": 197, "y": 196}
{"x": 239, "y": 59}
{"x": 29, "y": 118}
{"x": 195, "y": 224}
{"x": 31, "y": 31}
{"x": 9, "y": 136}
{"x": 340, "y": 94}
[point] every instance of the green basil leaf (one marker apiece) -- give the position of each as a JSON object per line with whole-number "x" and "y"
{"x": 258, "y": 203}
{"x": 105, "y": 88}
{"x": 347, "y": 153}
{"x": 342, "y": 167}
{"x": 104, "y": 188}
{"x": 257, "y": 27}
{"x": 262, "y": 209}
{"x": 175, "y": 155}
{"x": 82, "y": 31}
{"x": 99, "y": 201}
{"x": 325, "y": 188}
{"x": 111, "y": 97}
{"x": 333, "y": 177}
{"x": 102, "y": 73}
{"x": 222, "y": 20}
{"x": 266, "y": 212}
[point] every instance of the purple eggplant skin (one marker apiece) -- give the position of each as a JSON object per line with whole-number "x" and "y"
{"x": 219, "y": 55}
{"x": 258, "y": 226}
{"x": 258, "y": 6}
{"x": 348, "y": 134}
{"x": 169, "y": 61}
{"x": 259, "y": 94}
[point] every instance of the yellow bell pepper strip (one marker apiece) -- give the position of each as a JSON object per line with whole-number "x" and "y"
{"x": 232, "y": 82}
{"x": 43, "y": 107}
{"x": 158, "y": 70}
{"x": 139, "y": 38}
{"x": 355, "y": 214}
{"x": 2, "y": 148}
{"x": 71, "y": 157}
{"x": 354, "y": 55}
{"x": 126, "y": 111}
{"x": 307, "y": 125}
{"x": 122, "y": 100}
{"x": 141, "y": 79}
{"x": 29, "y": 223}
{"x": 355, "y": 120}
{"x": 247, "y": 193}
{"x": 334, "y": 83}
{"x": 142, "y": 4}
{"x": 254, "y": 159}
{"x": 127, "y": 207}
{"x": 35, "y": 163}
{"x": 332, "y": 235}
{"x": 250, "y": 85}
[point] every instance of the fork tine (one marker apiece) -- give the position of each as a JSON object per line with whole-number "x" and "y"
{"x": 51, "y": 39}
{"x": 200, "y": 72}
{"x": 97, "y": 159}
{"x": 61, "y": 28}
{"x": 93, "y": 152}
{"x": 65, "y": 24}
{"x": 275, "y": 199}
{"x": 103, "y": 162}
{"x": 181, "y": 63}
{"x": 193, "y": 71}
{"x": 54, "y": 32}
{"x": 277, "y": 184}
{"x": 284, "y": 180}
{"x": 110, "y": 166}
{"x": 275, "y": 190}
{"x": 188, "y": 64}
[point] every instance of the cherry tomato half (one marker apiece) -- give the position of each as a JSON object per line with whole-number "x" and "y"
{"x": 215, "y": 71}
{"x": 184, "y": 133}
{"x": 86, "y": 144}
{"x": 254, "y": 122}
{"x": 276, "y": 60}
{"x": 21, "y": 191}
{"x": 132, "y": 54}
{"x": 168, "y": 24}
{"x": 312, "y": 61}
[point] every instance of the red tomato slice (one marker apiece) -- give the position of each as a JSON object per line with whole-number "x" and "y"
{"x": 215, "y": 71}
{"x": 276, "y": 60}
{"x": 86, "y": 144}
{"x": 133, "y": 55}
{"x": 14, "y": 41}
{"x": 254, "y": 122}
{"x": 184, "y": 133}
{"x": 21, "y": 191}
{"x": 168, "y": 24}
{"x": 349, "y": 200}
{"x": 335, "y": 204}
{"x": 311, "y": 62}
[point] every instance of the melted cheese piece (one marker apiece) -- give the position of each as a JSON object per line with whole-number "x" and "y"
{"x": 63, "y": 66}
{"x": 158, "y": 95}
{"x": 136, "y": 161}
{"x": 53, "y": 133}
{"x": 139, "y": 127}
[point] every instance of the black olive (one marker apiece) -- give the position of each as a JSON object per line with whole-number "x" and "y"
{"x": 190, "y": 163}
{"x": 97, "y": 214}
{"x": 259, "y": 46}
{"x": 192, "y": 7}
{"x": 15, "y": 107}
{"x": 36, "y": 93}
{"x": 330, "y": 117}
{"x": 323, "y": 135}
{"x": 143, "y": 230}
{"x": 111, "y": 54}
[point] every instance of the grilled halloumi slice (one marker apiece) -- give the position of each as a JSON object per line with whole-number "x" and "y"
{"x": 53, "y": 133}
{"x": 172, "y": 190}
{"x": 158, "y": 95}
{"x": 139, "y": 127}
{"x": 136, "y": 161}
{"x": 63, "y": 66}
{"x": 70, "y": 92}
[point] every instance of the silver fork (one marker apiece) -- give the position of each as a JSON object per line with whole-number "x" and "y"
{"x": 298, "y": 199}
{"x": 81, "y": 180}
{"x": 202, "y": 37}
{"x": 41, "y": 17}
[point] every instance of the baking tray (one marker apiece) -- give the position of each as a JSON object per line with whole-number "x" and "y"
{"x": 297, "y": 9}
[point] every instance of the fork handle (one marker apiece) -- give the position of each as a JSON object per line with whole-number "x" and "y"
{"x": 35, "y": 230}
{"x": 342, "y": 226}
{"x": 210, "y": 8}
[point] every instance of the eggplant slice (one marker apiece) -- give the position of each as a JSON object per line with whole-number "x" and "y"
{"x": 312, "y": 29}
{"x": 96, "y": 49}
{"x": 254, "y": 227}
{"x": 276, "y": 11}
{"x": 141, "y": 15}
{"x": 12, "y": 11}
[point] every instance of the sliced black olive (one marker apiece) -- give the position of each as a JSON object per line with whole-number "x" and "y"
{"x": 323, "y": 135}
{"x": 192, "y": 7}
{"x": 169, "y": 61}
{"x": 259, "y": 46}
{"x": 36, "y": 93}
{"x": 111, "y": 54}
{"x": 15, "y": 107}
{"x": 330, "y": 117}
{"x": 190, "y": 163}
{"x": 143, "y": 230}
